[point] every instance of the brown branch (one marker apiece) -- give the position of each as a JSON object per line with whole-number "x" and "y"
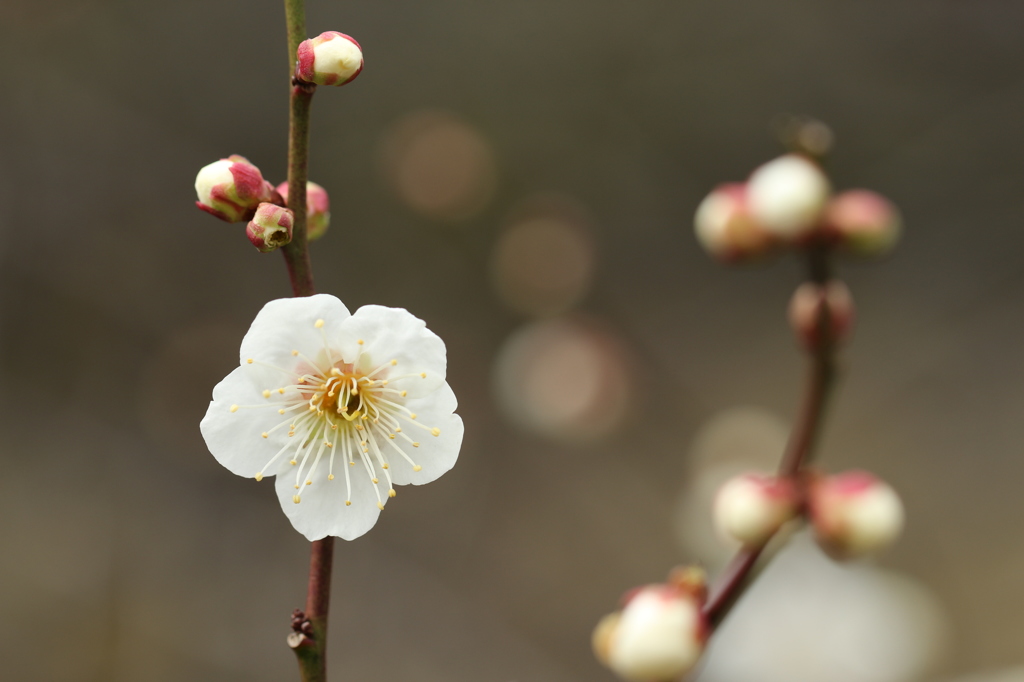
{"x": 733, "y": 581}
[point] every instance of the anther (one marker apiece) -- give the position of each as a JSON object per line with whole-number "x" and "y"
{"x": 385, "y": 466}
{"x": 403, "y": 393}
{"x": 266, "y": 393}
{"x": 259, "y": 476}
{"x": 292, "y": 462}
{"x": 360, "y": 342}
{"x": 296, "y": 486}
{"x": 415, "y": 444}
{"x": 417, "y": 468}
{"x": 330, "y": 477}
{"x": 319, "y": 323}
{"x": 265, "y": 435}
{"x": 296, "y": 499}
{"x": 394, "y": 362}
{"x": 309, "y": 482}
{"x": 423, "y": 375}
{"x": 348, "y": 503}
{"x": 295, "y": 352}
{"x": 249, "y": 361}
{"x": 281, "y": 391}
{"x": 281, "y": 411}
{"x": 435, "y": 431}
{"x": 375, "y": 481}
{"x": 412, "y": 415}
{"x": 380, "y": 506}
{"x": 392, "y": 493}
{"x": 234, "y": 408}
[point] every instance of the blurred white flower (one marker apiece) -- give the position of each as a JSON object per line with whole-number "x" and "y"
{"x": 319, "y": 389}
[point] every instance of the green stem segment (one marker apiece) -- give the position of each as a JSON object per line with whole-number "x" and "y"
{"x": 739, "y": 573}
{"x": 311, "y": 650}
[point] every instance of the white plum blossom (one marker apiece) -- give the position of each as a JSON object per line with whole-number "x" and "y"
{"x": 340, "y": 407}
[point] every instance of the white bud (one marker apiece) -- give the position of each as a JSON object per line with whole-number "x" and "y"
{"x": 750, "y": 508}
{"x": 787, "y": 196}
{"x": 725, "y": 227}
{"x": 854, "y": 514}
{"x": 658, "y": 636}
{"x": 332, "y": 58}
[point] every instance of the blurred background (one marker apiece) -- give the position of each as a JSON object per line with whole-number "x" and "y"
{"x": 523, "y": 176}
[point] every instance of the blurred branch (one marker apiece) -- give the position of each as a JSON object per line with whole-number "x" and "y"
{"x": 732, "y": 582}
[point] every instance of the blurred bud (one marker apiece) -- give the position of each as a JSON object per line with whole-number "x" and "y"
{"x": 786, "y": 196}
{"x": 270, "y": 228}
{"x": 805, "y": 310}
{"x": 658, "y": 636}
{"x": 864, "y": 222}
{"x": 725, "y": 227}
{"x": 231, "y": 189}
{"x": 331, "y": 58}
{"x": 854, "y": 513}
{"x": 318, "y": 214}
{"x": 750, "y": 508}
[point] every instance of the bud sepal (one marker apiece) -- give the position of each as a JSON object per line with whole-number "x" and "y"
{"x": 318, "y": 205}
{"x": 751, "y": 507}
{"x": 231, "y": 189}
{"x": 854, "y": 513}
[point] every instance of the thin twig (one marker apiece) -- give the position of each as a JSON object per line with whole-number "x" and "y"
{"x": 311, "y": 648}
{"x": 733, "y": 581}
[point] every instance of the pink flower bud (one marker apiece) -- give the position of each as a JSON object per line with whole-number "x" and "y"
{"x": 864, "y": 222}
{"x": 787, "y": 196}
{"x": 331, "y": 58}
{"x": 805, "y": 310}
{"x": 270, "y": 228}
{"x": 725, "y": 227}
{"x": 750, "y": 508}
{"x": 231, "y": 189}
{"x": 854, "y": 513}
{"x": 658, "y": 636}
{"x": 318, "y": 215}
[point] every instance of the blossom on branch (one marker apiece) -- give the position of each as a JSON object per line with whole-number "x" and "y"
{"x": 231, "y": 189}
{"x": 331, "y": 58}
{"x": 340, "y": 407}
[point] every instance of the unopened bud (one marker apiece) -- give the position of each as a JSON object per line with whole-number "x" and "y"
{"x": 863, "y": 222}
{"x": 270, "y": 228}
{"x": 787, "y": 196}
{"x": 658, "y": 636}
{"x": 854, "y": 514}
{"x": 231, "y": 189}
{"x": 331, "y": 58}
{"x": 808, "y": 306}
{"x": 750, "y": 508}
{"x": 725, "y": 227}
{"x": 318, "y": 214}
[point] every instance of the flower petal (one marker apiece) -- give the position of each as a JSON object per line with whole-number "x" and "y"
{"x": 436, "y": 454}
{"x": 288, "y": 324}
{"x": 322, "y": 511}
{"x": 395, "y": 334}
{"x": 235, "y": 438}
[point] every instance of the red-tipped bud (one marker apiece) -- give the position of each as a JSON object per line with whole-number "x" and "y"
{"x": 725, "y": 227}
{"x": 331, "y": 58}
{"x": 270, "y": 228}
{"x": 750, "y": 508}
{"x": 231, "y": 189}
{"x": 787, "y": 196}
{"x": 854, "y": 513}
{"x": 863, "y": 222}
{"x": 318, "y": 214}
{"x": 658, "y": 636}
{"x": 806, "y": 310}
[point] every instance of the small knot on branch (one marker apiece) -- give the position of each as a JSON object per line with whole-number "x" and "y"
{"x": 302, "y": 630}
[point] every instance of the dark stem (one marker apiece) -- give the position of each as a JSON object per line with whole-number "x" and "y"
{"x": 732, "y": 582}
{"x": 296, "y": 253}
{"x": 309, "y": 642}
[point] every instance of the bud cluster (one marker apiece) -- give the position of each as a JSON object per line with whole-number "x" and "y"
{"x": 233, "y": 189}
{"x": 660, "y": 632}
{"x": 789, "y": 202}
{"x": 853, "y": 513}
